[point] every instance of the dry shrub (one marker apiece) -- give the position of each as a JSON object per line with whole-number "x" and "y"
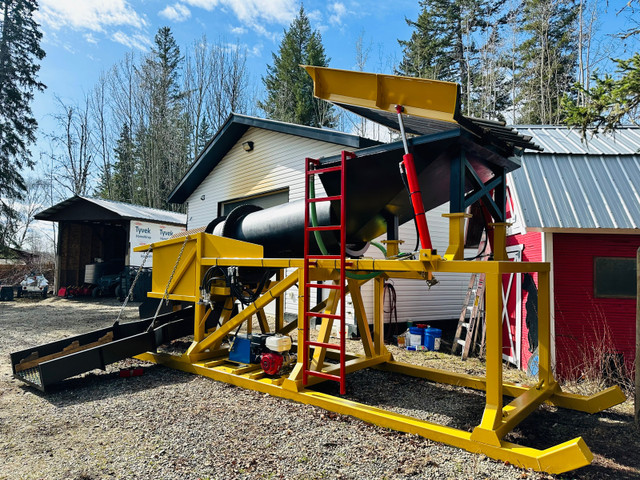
{"x": 597, "y": 363}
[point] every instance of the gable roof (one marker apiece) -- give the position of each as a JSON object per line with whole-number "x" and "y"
{"x": 97, "y": 209}
{"x": 593, "y": 184}
{"x": 234, "y": 127}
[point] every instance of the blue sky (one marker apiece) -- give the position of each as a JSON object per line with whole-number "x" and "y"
{"x": 82, "y": 38}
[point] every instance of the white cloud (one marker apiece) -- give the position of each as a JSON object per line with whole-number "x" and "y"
{"x": 177, "y": 13}
{"x": 338, "y": 11}
{"x": 90, "y": 38}
{"x": 132, "y": 41}
{"x": 239, "y": 30}
{"x": 315, "y": 15}
{"x": 92, "y": 15}
{"x": 254, "y": 14}
{"x": 256, "y": 50}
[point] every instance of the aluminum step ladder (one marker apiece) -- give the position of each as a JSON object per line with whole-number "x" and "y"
{"x": 474, "y": 307}
{"x": 312, "y": 168}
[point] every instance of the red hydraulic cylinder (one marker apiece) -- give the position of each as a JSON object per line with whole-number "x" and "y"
{"x": 414, "y": 188}
{"x": 416, "y": 201}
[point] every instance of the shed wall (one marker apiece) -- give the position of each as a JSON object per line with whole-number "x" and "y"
{"x": 586, "y": 326}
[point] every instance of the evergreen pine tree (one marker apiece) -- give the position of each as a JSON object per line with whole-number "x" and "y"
{"x": 19, "y": 54}
{"x": 164, "y": 140}
{"x": 124, "y": 167}
{"x": 205, "y": 134}
{"x": 430, "y": 53}
{"x": 444, "y": 46}
{"x": 547, "y": 59}
{"x": 289, "y": 88}
{"x": 611, "y": 102}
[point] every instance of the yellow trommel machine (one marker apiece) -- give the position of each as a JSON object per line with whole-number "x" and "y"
{"x": 253, "y": 257}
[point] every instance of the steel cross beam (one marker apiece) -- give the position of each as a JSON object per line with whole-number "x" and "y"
{"x": 461, "y": 171}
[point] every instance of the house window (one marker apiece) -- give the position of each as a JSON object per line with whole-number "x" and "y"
{"x": 264, "y": 200}
{"x": 614, "y": 277}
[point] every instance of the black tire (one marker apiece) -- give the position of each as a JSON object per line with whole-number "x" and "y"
{"x": 118, "y": 293}
{"x": 45, "y": 292}
{"x": 95, "y": 293}
{"x": 19, "y": 292}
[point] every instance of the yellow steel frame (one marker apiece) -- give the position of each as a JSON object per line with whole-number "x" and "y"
{"x": 207, "y": 357}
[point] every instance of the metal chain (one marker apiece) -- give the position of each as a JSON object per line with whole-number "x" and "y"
{"x": 165, "y": 296}
{"x": 130, "y": 294}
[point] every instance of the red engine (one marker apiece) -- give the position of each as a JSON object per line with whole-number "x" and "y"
{"x": 271, "y": 363}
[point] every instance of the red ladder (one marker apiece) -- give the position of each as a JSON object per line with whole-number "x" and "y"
{"x": 312, "y": 167}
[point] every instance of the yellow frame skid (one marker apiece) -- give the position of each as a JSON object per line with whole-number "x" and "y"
{"x": 207, "y": 357}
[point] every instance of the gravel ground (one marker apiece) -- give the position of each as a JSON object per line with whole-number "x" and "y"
{"x": 168, "y": 424}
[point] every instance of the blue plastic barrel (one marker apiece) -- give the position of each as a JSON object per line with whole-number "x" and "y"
{"x": 431, "y": 338}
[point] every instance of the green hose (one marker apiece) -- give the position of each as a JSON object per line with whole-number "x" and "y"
{"x": 380, "y": 247}
{"x": 323, "y": 247}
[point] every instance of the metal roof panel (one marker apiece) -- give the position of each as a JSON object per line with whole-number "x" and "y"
{"x": 575, "y": 184}
{"x": 112, "y": 210}
{"x": 560, "y": 139}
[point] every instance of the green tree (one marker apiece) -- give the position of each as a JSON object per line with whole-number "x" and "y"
{"x": 610, "y": 102}
{"x": 289, "y": 88}
{"x": 205, "y": 134}
{"x": 614, "y": 99}
{"x": 19, "y": 55}
{"x": 457, "y": 41}
{"x": 164, "y": 139}
{"x": 124, "y": 168}
{"x": 548, "y": 59}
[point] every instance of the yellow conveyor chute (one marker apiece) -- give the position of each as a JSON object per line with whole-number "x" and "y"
{"x": 420, "y": 97}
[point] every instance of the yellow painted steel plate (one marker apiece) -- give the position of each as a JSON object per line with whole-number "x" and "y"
{"x": 421, "y": 97}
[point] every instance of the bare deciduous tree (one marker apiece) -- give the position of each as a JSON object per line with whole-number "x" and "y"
{"x": 75, "y": 147}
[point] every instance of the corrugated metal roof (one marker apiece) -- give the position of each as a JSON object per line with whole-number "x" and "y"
{"x": 116, "y": 209}
{"x": 557, "y": 139}
{"x": 576, "y": 185}
{"x": 138, "y": 212}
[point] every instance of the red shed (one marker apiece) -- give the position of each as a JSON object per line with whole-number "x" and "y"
{"x": 577, "y": 206}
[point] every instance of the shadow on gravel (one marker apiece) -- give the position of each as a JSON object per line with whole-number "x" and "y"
{"x": 454, "y": 407}
{"x": 612, "y": 438}
{"x": 104, "y": 385}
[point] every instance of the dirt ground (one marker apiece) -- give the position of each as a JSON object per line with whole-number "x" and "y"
{"x": 167, "y": 424}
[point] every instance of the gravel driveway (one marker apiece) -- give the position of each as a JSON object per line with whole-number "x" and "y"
{"x": 168, "y": 424}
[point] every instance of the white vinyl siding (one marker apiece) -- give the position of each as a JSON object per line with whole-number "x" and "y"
{"x": 277, "y": 161}
{"x": 415, "y": 301}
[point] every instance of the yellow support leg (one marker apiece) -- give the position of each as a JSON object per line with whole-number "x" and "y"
{"x": 492, "y": 417}
{"x": 361, "y": 317}
{"x": 378, "y": 316}
{"x": 500, "y": 241}
{"x": 455, "y": 250}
